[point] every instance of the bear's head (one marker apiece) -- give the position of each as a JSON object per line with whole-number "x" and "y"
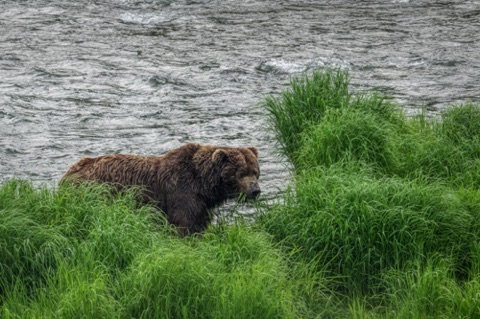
{"x": 239, "y": 170}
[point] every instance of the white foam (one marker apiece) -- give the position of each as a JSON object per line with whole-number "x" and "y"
{"x": 281, "y": 66}
{"x": 292, "y": 67}
{"x": 144, "y": 18}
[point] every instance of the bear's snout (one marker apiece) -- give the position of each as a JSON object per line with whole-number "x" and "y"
{"x": 251, "y": 188}
{"x": 256, "y": 192}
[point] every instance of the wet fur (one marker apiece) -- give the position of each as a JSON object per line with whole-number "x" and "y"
{"x": 185, "y": 183}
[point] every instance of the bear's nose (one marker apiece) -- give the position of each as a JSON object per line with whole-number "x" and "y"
{"x": 256, "y": 192}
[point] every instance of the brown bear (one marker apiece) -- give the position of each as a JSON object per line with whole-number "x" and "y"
{"x": 184, "y": 183}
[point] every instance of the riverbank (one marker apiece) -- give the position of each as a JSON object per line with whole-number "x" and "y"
{"x": 380, "y": 221}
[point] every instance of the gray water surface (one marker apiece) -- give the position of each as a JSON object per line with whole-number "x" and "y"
{"x": 93, "y": 77}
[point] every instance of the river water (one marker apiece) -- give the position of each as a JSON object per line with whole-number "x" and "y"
{"x": 122, "y": 76}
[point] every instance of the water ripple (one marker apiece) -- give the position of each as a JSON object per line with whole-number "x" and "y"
{"x": 88, "y": 78}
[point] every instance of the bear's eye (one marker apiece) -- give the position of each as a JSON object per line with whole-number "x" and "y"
{"x": 241, "y": 173}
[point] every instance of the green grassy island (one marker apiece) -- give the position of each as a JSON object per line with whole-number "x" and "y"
{"x": 381, "y": 220}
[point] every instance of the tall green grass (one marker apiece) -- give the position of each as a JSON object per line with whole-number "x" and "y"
{"x": 376, "y": 193}
{"x": 81, "y": 252}
{"x": 319, "y": 122}
{"x": 360, "y": 225}
{"x": 305, "y": 104}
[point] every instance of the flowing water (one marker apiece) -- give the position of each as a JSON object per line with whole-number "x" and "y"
{"x": 122, "y": 76}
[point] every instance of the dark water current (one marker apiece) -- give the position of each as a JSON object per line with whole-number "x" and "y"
{"x": 92, "y": 77}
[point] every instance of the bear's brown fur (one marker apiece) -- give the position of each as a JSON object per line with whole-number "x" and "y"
{"x": 184, "y": 183}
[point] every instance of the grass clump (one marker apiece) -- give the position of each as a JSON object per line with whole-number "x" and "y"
{"x": 319, "y": 122}
{"x": 54, "y": 263}
{"x": 358, "y": 226}
{"x": 81, "y": 252}
{"x": 305, "y": 104}
{"x": 347, "y": 135}
{"x": 432, "y": 292}
{"x": 376, "y": 193}
{"x": 213, "y": 278}
{"x": 448, "y": 150}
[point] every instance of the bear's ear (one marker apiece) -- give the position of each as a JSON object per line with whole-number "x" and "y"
{"x": 254, "y": 150}
{"x": 219, "y": 156}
